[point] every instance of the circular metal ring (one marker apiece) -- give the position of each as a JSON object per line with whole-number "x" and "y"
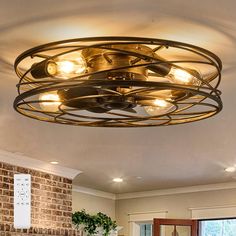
{"x": 126, "y": 71}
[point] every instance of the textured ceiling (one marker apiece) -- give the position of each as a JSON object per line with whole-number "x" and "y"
{"x": 164, "y": 157}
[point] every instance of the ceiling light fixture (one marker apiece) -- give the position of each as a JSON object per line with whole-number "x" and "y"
{"x": 139, "y": 177}
{"x": 118, "y": 180}
{"x": 54, "y": 162}
{"x": 118, "y": 82}
{"x": 230, "y": 169}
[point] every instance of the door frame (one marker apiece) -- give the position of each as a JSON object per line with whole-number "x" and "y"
{"x": 177, "y": 222}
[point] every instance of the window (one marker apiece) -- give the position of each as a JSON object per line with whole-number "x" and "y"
{"x": 219, "y": 227}
{"x": 140, "y": 223}
{"x": 145, "y": 229}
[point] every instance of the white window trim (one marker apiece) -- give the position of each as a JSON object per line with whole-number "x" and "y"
{"x": 214, "y": 212}
{"x": 135, "y": 219}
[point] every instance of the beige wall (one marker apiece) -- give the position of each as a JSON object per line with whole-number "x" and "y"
{"x": 93, "y": 204}
{"x": 177, "y": 205}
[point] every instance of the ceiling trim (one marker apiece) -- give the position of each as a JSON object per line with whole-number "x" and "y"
{"x": 146, "y": 216}
{"x": 146, "y": 212}
{"x": 211, "y": 207}
{"x": 172, "y": 191}
{"x": 94, "y": 192}
{"x": 18, "y": 159}
{"x": 154, "y": 193}
{"x": 213, "y": 212}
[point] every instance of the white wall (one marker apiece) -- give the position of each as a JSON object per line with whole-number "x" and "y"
{"x": 177, "y": 205}
{"x": 93, "y": 204}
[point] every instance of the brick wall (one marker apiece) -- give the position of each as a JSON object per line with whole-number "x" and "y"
{"x": 51, "y": 203}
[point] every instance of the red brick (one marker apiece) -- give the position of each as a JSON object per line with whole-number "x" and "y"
{"x": 51, "y": 201}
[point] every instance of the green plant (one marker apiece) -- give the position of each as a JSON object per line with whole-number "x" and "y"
{"x": 92, "y": 222}
{"x": 106, "y": 223}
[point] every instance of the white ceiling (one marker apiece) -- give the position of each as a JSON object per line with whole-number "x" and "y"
{"x": 164, "y": 157}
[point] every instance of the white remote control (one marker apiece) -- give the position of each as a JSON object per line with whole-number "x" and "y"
{"x": 22, "y": 201}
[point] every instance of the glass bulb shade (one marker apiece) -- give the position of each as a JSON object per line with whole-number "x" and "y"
{"x": 66, "y": 68}
{"x": 180, "y": 76}
{"x": 160, "y": 107}
{"x": 52, "y": 101}
{"x": 160, "y": 103}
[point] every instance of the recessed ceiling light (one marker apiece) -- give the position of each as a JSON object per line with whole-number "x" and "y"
{"x": 54, "y": 162}
{"x": 139, "y": 177}
{"x": 230, "y": 169}
{"x": 118, "y": 180}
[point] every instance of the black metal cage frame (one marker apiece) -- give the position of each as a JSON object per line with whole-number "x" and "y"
{"x": 204, "y": 101}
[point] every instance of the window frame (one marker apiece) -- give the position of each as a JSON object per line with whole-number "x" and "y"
{"x": 135, "y": 219}
{"x": 212, "y": 219}
{"x": 145, "y": 224}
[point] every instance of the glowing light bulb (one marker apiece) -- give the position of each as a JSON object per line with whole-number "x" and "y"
{"x": 52, "y": 101}
{"x": 63, "y": 67}
{"x": 67, "y": 68}
{"x": 160, "y": 107}
{"x": 182, "y": 76}
{"x": 118, "y": 180}
{"x": 160, "y": 103}
{"x": 51, "y": 68}
{"x": 54, "y": 162}
{"x": 81, "y": 65}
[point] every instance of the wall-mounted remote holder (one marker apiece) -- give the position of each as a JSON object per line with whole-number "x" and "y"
{"x": 22, "y": 201}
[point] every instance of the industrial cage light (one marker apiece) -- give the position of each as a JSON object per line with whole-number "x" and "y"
{"x": 118, "y": 82}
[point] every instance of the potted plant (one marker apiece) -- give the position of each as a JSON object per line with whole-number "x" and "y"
{"x": 96, "y": 225}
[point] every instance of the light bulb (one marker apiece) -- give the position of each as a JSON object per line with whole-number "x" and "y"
{"x": 80, "y": 65}
{"x": 67, "y": 68}
{"x": 52, "y": 101}
{"x": 160, "y": 107}
{"x": 63, "y": 67}
{"x": 177, "y": 75}
{"x": 51, "y": 68}
{"x": 160, "y": 103}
